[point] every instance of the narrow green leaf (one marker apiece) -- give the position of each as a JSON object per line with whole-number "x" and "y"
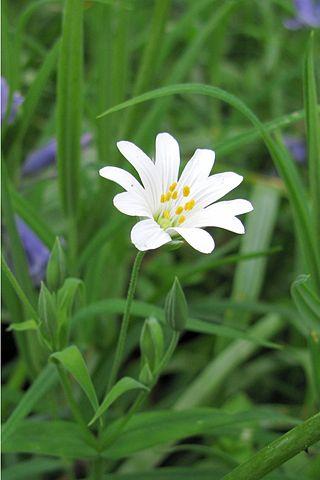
{"x": 33, "y": 96}
{"x": 124, "y": 385}
{"x": 32, "y": 468}
{"x": 23, "y": 326}
{"x": 143, "y": 310}
{"x": 313, "y": 131}
{"x": 17, "y": 288}
{"x": 69, "y": 116}
{"x": 66, "y": 439}
{"x": 43, "y": 383}
{"x": 54, "y": 438}
{"x": 16, "y": 249}
{"x": 307, "y": 303}
{"x": 30, "y": 215}
{"x": 72, "y": 360}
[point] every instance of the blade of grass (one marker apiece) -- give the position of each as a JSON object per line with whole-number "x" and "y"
{"x": 150, "y": 56}
{"x": 69, "y": 117}
{"x": 28, "y": 213}
{"x": 183, "y": 66}
{"x": 29, "y": 106}
{"x": 208, "y": 381}
{"x": 43, "y": 383}
{"x": 313, "y": 132}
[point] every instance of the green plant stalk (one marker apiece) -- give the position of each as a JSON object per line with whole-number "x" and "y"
{"x": 69, "y": 117}
{"x": 125, "y": 320}
{"x": 276, "y": 453}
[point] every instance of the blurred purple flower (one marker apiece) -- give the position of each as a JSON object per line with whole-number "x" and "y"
{"x": 296, "y": 147}
{"x": 46, "y": 155}
{"x": 37, "y": 253}
{"x": 16, "y": 101}
{"x": 307, "y": 15}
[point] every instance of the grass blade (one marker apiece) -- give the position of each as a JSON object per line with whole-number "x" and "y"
{"x": 313, "y": 132}
{"x": 43, "y": 383}
{"x": 69, "y": 115}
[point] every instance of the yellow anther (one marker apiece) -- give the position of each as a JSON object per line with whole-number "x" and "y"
{"x": 189, "y": 205}
{"x": 168, "y": 196}
{"x": 186, "y": 191}
{"x": 181, "y": 219}
{"x": 172, "y": 186}
{"x": 163, "y": 198}
{"x": 166, "y": 214}
{"x": 179, "y": 210}
{"x": 175, "y": 195}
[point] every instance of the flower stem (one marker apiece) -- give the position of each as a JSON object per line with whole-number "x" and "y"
{"x": 279, "y": 451}
{"x": 125, "y": 320}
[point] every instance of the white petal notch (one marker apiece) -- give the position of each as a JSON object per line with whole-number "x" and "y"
{"x": 169, "y": 206}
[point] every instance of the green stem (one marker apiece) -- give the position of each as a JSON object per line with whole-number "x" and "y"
{"x": 276, "y": 453}
{"x": 125, "y": 320}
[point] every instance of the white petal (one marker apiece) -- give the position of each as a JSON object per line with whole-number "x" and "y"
{"x": 167, "y": 160}
{"x": 196, "y": 237}
{"x": 223, "y": 215}
{"x": 198, "y": 168}
{"x": 148, "y": 235}
{"x": 145, "y": 168}
{"x": 216, "y": 187}
{"x": 132, "y": 204}
{"x": 121, "y": 177}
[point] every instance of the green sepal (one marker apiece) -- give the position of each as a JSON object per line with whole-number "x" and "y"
{"x": 176, "y": 308}
{"x": 152, "y": 342}
{"x": 56, "y": 268}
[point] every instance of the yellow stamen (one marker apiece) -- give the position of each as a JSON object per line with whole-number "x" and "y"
{"x": 175, "y": 195}
{"x": 179, "y": 210}
{"x": 186, "y": 191}
{"x": 168, "y": 196}
{"x": 172, "y": 186}
{"x": 166, "y": 214}
{"x": 163, "y": 198}
{"x": 181, "y": 219}
{"x": 189, "y": 205}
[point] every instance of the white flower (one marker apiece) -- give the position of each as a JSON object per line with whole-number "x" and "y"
{"x": 170, "y": 206}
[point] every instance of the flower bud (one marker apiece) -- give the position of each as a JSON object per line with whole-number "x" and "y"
{"x": 47, "y": 313}
{"x": 152, "y": 342}
{"x": 146, "y": 376}
{"x": 56, "y": 268}
{"x": 176, "y": 308}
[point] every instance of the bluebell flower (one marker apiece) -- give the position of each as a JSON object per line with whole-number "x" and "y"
{"x": 46, "y": 155}
{"x": 37, "y": 253}
{"x": 307, "y": 15}
{"x": 16, "y": 102}
{"x": 296, "y": 147}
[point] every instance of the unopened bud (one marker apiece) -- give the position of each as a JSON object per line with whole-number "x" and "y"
{"x": 56, "y": 268}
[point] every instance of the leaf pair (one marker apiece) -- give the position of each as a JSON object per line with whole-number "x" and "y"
{"x": 72, "y": 360}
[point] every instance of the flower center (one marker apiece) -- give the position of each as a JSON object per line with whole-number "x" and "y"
{"x": 173, "y": 206}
